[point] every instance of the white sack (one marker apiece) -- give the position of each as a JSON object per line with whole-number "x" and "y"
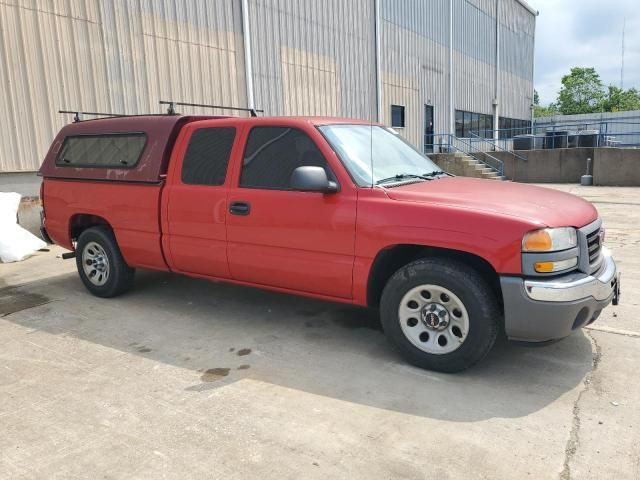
{"x": 16, "y": 243}
{"x": 9, "y": 203}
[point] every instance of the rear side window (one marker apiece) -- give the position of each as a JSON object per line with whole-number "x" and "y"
{"x": 273, "y": 153}
{"x": 115, "y": 150}
{"x": 207, "y": 157}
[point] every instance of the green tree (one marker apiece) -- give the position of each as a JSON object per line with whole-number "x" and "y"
{"x": 582, "y": 91}
{"x": 619, "y": 100}
{"x": 541, "y": 110}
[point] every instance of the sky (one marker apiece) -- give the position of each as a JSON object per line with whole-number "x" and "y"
{"x": 585, "y": 33}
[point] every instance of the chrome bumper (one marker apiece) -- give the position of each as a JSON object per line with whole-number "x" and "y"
{"x": 577, "y": 286}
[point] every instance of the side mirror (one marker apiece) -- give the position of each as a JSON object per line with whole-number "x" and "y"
{"x": 312, "y": 179}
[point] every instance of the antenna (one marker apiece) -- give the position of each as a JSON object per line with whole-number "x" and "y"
{"x": 624, "y": 26}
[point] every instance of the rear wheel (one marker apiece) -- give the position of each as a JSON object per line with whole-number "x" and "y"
{"x": 440, "y": 314}
{"x": 100, "y": 263}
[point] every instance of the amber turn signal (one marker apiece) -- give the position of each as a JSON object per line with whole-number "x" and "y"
{"x": 538, "y": 241}
{"x": 550, "y": 267}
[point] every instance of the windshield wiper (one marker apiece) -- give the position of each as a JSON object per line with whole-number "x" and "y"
{"x": 436, "y": 173}
{"x": 402, "y": 176}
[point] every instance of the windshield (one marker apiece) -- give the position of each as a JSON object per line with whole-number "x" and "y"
{"x": 393, "y": 158}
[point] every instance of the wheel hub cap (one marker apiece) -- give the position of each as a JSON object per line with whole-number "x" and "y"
{"x": 433, "y": 319}
{"x": 95, "y": 263}
{"x": 434, "y": 316}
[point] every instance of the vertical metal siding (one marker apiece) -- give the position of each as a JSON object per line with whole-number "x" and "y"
{"x": 517, "y": 29}
{"x": 314, "y": 57}
{"x": 415, "y": 59}
{"x": 310, "y": 57}
{"x": 415, "y": 63}
{"x": 415, "y": 67}
{"x": 118, "y": 56}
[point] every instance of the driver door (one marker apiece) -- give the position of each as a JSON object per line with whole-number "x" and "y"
{"x": 302, "y": 241}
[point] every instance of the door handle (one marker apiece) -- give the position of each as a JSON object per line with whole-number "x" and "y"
{"x": 239, "y": 208}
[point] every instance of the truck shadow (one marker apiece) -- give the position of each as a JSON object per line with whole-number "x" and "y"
{"x": 225, "y": 333}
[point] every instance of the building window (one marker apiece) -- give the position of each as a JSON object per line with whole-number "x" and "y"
{"x": 510, "y": 127}
{"x": 473, "y": 125}
{"x": 459, "y": 123}
{"x": 466, "y": 125}
{"x": 397, "y": 116}
{"x": 487, "y": 126}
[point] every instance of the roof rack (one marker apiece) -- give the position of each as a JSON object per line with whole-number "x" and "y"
{"x": 172, "y": 107}
{"x": 77, "y": 115}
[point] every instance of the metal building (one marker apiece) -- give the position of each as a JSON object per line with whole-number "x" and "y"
{"x": 427, "y": 66}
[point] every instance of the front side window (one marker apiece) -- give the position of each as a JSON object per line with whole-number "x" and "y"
{"x": 114, "y": 150}
{"x": 372, "y": 153}
{"x": 207, "y": 156}
{"x": 273, "y": 153}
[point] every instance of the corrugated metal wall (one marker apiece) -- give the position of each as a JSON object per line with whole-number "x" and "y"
{"x": 314, "y": 57}
{"x": 416, "y": 66}
{"x": 119, "y": 56}
{"x": 415, "y": 62}
{"x": 517, "y": 34}
{"x": 310, "y": 57}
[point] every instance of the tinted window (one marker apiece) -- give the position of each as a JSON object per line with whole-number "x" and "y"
{"x": 122, "y": 150}
{"x": 475, "y": 125}
{"x": 467, "y": 124}
{"x": 488, "y": 127}
{"x": 207, "y": 157}
{"x": 503, "y": 125}
{"x": 397, "y": 116}
{"x": 273, "y": 153}
{"x": 459, "y": 123}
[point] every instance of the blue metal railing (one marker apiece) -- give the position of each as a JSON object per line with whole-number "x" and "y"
{"x": 491, "y": 144}
{"x": 448, "y": 143}
{"x": 609, "y": 133}
{"x": 487, "y": 159}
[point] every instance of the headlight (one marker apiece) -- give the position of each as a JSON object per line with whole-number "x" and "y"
{"x": 550, "y": 240}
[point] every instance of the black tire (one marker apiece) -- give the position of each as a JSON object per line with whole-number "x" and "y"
{"x": 120, "y": 275}
{"x": 468, "y": 285}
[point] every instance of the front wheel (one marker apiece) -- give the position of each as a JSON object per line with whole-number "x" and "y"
{"x": 100, "y": 263}
{"x": 440, "y": 314}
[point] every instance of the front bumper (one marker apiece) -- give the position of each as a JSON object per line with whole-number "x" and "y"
{"x": 542, "y": 310}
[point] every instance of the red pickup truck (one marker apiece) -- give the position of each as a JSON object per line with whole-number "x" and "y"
{"x": 336, "y": 209}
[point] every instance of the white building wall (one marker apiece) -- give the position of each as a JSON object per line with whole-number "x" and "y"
{"x": 119, "y": 56}
{"x": 310, "y": 57}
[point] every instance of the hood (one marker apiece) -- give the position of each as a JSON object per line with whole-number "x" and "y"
{"x": 538, "y": 205}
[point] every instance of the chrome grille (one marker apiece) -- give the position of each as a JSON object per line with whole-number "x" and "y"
{"x": 594, "y": 246}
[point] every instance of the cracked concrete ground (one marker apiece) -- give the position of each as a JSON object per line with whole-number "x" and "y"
{"x": 187, "y": 379}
